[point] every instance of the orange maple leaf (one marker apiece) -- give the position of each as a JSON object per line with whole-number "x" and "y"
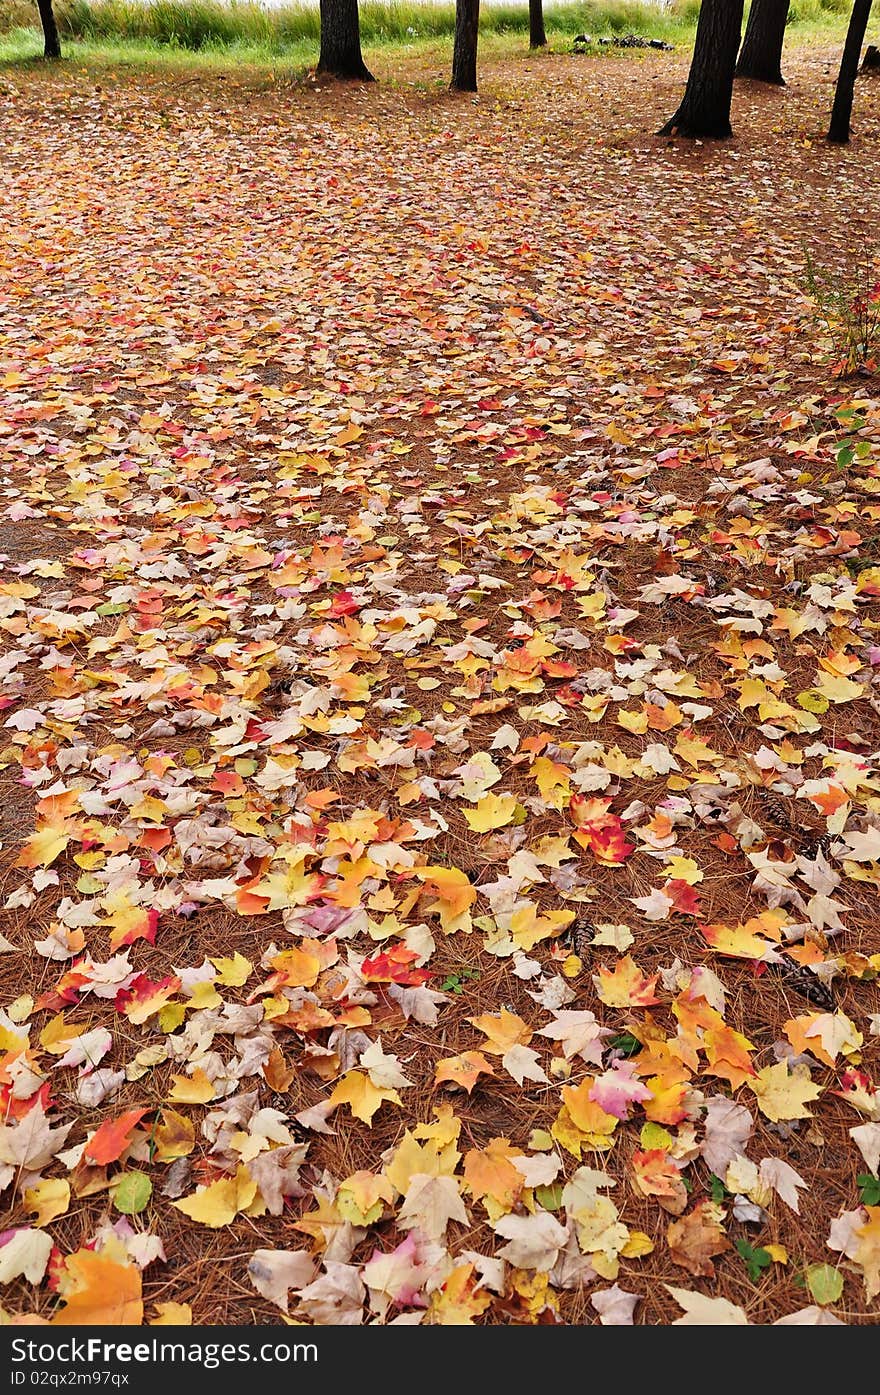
{"x": 625, "y": 985}
{"x": 110, "y": 1139}
{"x": 463, "y": 1070}
{"x": 102, "y": 1293}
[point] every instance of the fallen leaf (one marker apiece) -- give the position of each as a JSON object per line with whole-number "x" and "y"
{"x": 696, "y": 1238}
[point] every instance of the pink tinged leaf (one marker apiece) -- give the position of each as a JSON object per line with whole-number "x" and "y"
{"x": 274, "y": 1272}
{"x": 336, "y": 1298}
{"x": 867, "y": 1139}
{"x": 399, "y": 1277}
{"x": 783, "y": 1179}
{"x": 842, "y": 1235}
{"x": 617, "y": 1089}
{"x": 615, "y": 1306}
{"x": 729, "y": 1127}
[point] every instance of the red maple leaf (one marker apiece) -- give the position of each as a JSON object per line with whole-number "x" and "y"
{"x": 394, "y": 966}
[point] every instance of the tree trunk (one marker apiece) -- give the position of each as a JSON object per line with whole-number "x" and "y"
{"x": 841, "y": 112}
{"x": 760, "y": 57}
{"x": 51, "y": 45}
{"x": 705, "y": 106}
{"x": 537, "y": 36}
{"x": 341, "y": 42}
{"x": 464, "y": 52}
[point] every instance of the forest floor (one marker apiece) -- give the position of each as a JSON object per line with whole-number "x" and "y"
{"x": 440, "y": 790}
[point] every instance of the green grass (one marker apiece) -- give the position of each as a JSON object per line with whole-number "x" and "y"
{"x": 244, "y": 32}
{"x": 200, "y": 24}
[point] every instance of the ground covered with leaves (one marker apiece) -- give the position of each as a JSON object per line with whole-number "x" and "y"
{"x": 440, "y": 789}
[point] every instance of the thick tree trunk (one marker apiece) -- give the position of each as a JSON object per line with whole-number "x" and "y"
{"x": 841, "y": 112}
{"x": 705, "y": 106}
{"x": 464, "y": 52}
{"x": 537, "y": 36}
{"x": 341, "y": 42}
{"x": 760, "y": 57}
{"x": 51, "y": 45}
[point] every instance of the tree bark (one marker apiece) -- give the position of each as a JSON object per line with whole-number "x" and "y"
{"x": 464, "y": 52}
{"x": 341, "y": 55}
{"x": 51, "y": 44}
{"x": 838, "y": 131}
{"x": 537, "y": 35}
{"x": 705, "y": 106}
{"x": 760, "y": 57}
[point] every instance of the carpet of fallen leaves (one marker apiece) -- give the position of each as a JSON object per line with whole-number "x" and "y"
{"x": 440, "y": 748}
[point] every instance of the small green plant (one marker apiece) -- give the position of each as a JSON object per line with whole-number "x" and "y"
{"x": 869, "y": 1189}
{"x": 756, "y": 1259}
{"x": 847, "y": 304}
{"x": 717, "y": 1189}
{"x": 851, "y": 448}
{"x": 454, "y": 983}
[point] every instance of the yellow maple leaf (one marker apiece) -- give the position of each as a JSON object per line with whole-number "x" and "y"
{"x": 220, "y": 1202}
{"x": 554, "y": 782}
{"x": 127, "y": 922}
{"x": 504, "y": 1030}
{"x": 361, "y": 1197}
{"x": 172, "y": 1315}
{"x": 636, "y": 722}
{"x": 298, "y": 967}
{"x": 411, "y": 1158}
{"x": 57, "y": 1034}
{"x": 492, "y": 811}
{"x": 735, "y": 941}
{"x": 783, "y": 1096}
{"x": 778, "y": 1253}
{"x": 488, "y": 1172}
{"x": 435, "y": 1156}
{"x": 453, "y": 893}
{"x": 43, "y": 847}
{"x": 204, "y": 995}
{"x": 363, "y": 1098}
{"x": 638, "y": 1245}
{"x": 174, "y": 1138}
{"x": 528, "y": 928}
{"x": 48, "y": 1199}
{"x": 683, "y": 869}
{"x": 232, "y": 973}
{"x": 581, "y": 1123}
{"x": 459, "y": 1300}
{"x": 753, "y": 692}
{"x": 838, "y": 689}
{"x": 192, "y": 1089}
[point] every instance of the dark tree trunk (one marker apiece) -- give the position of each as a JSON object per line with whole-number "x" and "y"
{"x": 464, "y": 52}
{"x": 760, "y": 57}
{"x": 341, "y": 42}
{"x": 841, "y": 112}
{"x": 705, "y": 106}
{"x": 537, "y": 36}
{"x": 871, "y": 59}
{"x": 51, "y": 45}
